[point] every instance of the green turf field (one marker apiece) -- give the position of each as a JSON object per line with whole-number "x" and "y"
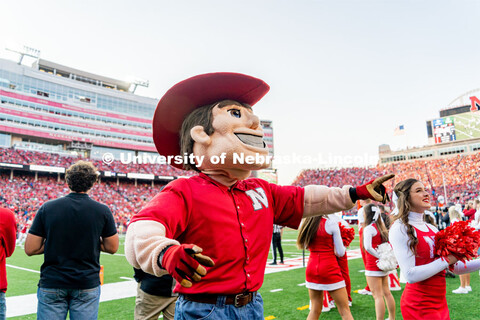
{"x": 284, "y": 304}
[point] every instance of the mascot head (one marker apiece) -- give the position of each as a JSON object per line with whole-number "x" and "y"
{"x": 211, "y": 116}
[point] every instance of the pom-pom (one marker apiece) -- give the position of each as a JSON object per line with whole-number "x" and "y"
{"x": 459, "y": 240}
{"x": 387, "y": 260}
{"x": 348, "y": 234}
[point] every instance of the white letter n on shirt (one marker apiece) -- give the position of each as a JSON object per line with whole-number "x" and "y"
{"x": 257, "y": 197}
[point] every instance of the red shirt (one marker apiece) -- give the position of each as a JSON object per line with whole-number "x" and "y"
{"x": 233, "y": 226}
{"x": 8, "y": 235}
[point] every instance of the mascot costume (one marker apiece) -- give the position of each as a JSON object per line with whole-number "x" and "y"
{"x": 212, "y": 231}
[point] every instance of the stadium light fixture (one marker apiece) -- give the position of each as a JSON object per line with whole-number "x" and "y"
{"x": 139, "y": 82}
{"x": 26, "y": 51}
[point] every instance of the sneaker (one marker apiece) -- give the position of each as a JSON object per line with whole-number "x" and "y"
{"x": 460, "y": 290}
{"x": 364, "y": 292}
{"x": 349, "y": 303}
{"x": 325, "y": 309}
{"x": 331, "y": 304}
{"x": 468, "y": 288}
{"x": 273, "y": 264}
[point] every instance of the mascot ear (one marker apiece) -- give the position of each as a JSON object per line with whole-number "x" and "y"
{"x": 199, "y": 135}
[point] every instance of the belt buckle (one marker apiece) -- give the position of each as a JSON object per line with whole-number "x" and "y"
{"x": 236, "y": 302}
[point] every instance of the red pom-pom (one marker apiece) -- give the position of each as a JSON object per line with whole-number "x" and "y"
{"x": 459, "y": 240}
{"x": 348, "y": 234}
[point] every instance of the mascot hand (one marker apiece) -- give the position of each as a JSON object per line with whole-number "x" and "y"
{"x": 185, "y": 263}
{"x": 374, "y": 189}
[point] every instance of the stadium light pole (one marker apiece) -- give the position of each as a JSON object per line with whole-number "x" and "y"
{"x": 26, "y": 51}
{"x": 138, "y": 82}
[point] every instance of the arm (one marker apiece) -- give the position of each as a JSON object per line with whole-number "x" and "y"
{"x": 144, "y": 242}
{"x": 320, "y": 200}
{"x": 324, "y": 200}
{"x": 368, "y": 233}
{"x": 406, "y": 260}
{"x": 34, "y": 244}
{"x": 109, "y": 244}
{"x": 469, "y": 266}
{"x": 332, "y": 228}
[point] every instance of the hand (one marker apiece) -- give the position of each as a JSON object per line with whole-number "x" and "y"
{"x": 185, "y": 263}
{"x": 451, "y": 259}
{"x": 374, "y": 189}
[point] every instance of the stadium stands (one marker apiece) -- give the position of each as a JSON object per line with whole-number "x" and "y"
{"x": 458, "y": 172}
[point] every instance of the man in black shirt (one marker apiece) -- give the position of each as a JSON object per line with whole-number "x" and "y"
{"x": 71, "y": 231}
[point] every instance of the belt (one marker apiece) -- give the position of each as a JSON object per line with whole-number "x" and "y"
{"x": 238, "y": 300}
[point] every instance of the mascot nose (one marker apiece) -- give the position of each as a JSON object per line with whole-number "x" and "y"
{"x": 254, "y": 122}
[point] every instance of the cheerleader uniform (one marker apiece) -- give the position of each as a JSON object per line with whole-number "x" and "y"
{"x": 424, "y": 295}
{"x": 371, "y": 240}
{"x": 323, "y": 271}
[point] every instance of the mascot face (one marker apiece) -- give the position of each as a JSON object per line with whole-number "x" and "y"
{"x": 237, "y": 135}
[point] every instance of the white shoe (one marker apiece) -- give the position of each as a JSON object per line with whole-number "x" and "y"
{"x": 349, "y": 303}
{"x": 468, "y": 288}
{"x": 460, "y": 290}
{"x": 324, "y": 309}
{"x": 331, "y": 304}
{"x": 364, "y": 292}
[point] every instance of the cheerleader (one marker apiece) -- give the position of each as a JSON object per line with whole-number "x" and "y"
{"x": 321, "y": 236}
{"x": 376, "y": 233}
{"x": 413, "y": 243}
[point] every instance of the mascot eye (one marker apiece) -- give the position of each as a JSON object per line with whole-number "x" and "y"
{"x": 235, "y": 113}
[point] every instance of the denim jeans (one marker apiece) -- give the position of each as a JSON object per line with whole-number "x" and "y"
{"x": 186, "y": 310}
{"x": 3, "y": 306}
{"x": 54, "y": 304}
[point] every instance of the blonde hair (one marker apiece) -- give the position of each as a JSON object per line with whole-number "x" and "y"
{"x": 454, "y": 214}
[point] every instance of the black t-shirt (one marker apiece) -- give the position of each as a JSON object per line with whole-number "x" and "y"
{"x": 72, "y": 227}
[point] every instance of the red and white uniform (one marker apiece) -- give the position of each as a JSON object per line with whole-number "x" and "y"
{"x": 371, "y": 240}
{"x": 323, "y": 271}
{"x": 424, "y": 295}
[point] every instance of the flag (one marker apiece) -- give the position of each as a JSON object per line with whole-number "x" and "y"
{"x": 399, "y": 130}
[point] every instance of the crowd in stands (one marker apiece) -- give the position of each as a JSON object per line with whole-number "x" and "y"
{"x": 24, "y": 196}
{"x": 26, "y": 157}
{"x": 458, "y": 173}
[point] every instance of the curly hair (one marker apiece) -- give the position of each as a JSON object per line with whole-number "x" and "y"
{"x": 402, "y": 189}
{"x": 81, "y": 176}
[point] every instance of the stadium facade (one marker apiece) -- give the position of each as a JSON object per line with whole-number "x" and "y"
{"x": 455, "y": 131}
{"x": 49, "y": 107}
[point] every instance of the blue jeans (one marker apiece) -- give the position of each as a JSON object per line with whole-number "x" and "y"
{"x": 3, "y": 306}
{"x": 186, "y": 310}
{"x": 54, "y": 304}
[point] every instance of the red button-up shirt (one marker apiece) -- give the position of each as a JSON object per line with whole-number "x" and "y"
{"x": 232, "y": 225}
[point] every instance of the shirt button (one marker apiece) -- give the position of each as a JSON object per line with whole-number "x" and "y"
{"x": 246, "y": 240}
{"x": 238, "y": 207}
{"x": 248, "y": 275}
{"x": 243, "y": 224}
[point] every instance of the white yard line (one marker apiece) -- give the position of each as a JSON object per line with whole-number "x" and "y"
{"x": 27, "y": 304}
{"x": 276, "y": 290}
{"x": 24, "y": 269}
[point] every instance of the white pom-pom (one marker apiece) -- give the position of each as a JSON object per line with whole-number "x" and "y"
{"x": 387, "y": 260}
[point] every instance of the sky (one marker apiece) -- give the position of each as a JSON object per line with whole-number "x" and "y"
{"x": 343, "y": 74}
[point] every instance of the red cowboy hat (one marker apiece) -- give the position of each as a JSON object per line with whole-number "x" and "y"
{"x": 195, "y": 92}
